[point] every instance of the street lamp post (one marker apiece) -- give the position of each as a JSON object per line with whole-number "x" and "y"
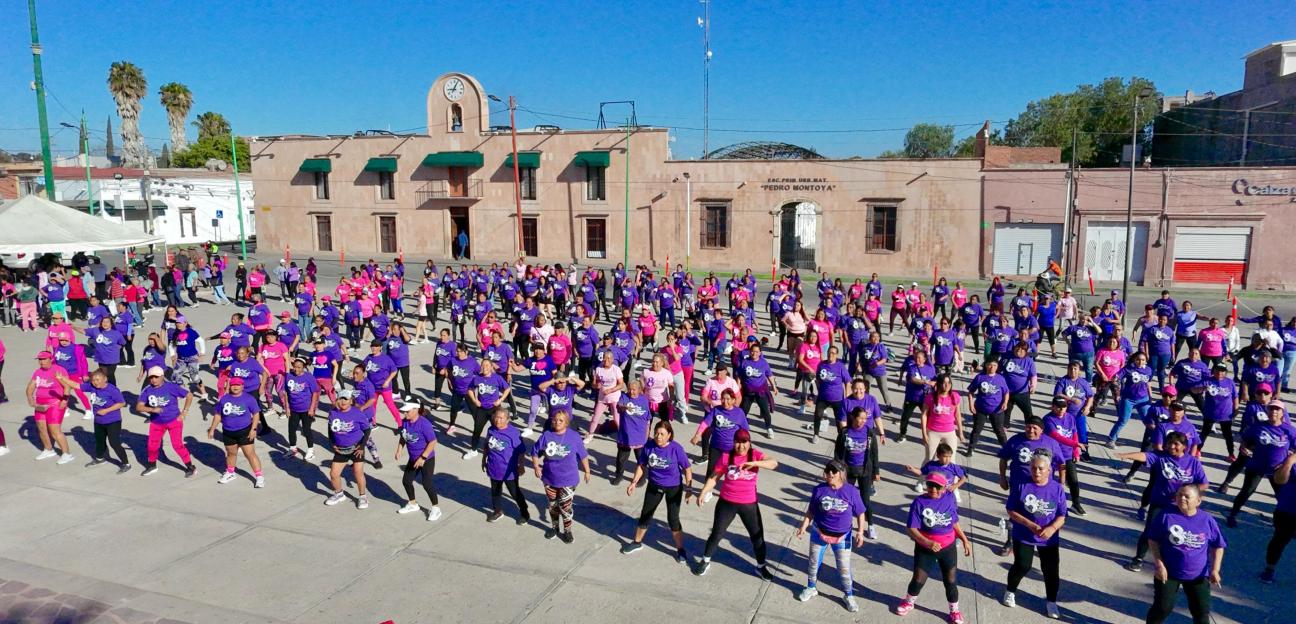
{"x": 517, "y": 172}
{"x": 1129, "y": 201}
{"x": 688, "y": 223}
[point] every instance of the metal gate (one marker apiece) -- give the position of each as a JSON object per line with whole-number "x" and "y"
{"x": 1105, "y": 251}
{"x": 798, "y": 228}
{"x": 1025, "y": 248}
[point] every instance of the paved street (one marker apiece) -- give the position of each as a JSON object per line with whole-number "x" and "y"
{"x": 97, "y": 547}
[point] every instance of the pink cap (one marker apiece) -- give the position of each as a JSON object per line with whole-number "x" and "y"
{"x": 285, "y": 314}
{"x": 1170, "y": 391}
{"x": 44, "y": 355}
{"x": 1264, "y": 387}
{"x": 937, "y": 478}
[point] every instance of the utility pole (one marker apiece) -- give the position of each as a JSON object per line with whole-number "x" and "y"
{"x": 40, "y": 102}
{"x": 86, "y": 148}
{"x": 626, "y": 239}
{"x": 517, "y": 176}
{"x": 1129, "y": 205}
{"x": 238, "y": 199}
{"x": 688, "y": 222}
{"x": 705, "y": 23}
{"x": 1068, "y": 223}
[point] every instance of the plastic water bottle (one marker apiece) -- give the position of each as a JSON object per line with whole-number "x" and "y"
{"x": 1003, "y": 527}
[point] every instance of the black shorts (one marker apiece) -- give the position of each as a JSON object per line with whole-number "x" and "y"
{"x": 347, "y": 455}
{"x": 240, "y": 437}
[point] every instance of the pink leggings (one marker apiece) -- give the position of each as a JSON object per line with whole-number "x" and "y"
{"x": 176, "y": 430}
{"x": 387, "y": 400}
{"x": 85, "y": 401}
{"x": 599, "y": 408}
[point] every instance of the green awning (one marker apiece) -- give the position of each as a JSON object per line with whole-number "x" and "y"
{"x": 387, "y": 165}
{"x": 316, "y": 165}
{"x": 453, "y": 159}
{"x": 526, "y": 160}
{"x": 593, "y": 159}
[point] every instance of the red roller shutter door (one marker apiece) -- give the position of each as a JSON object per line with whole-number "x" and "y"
{"x": 1211, "y": 255}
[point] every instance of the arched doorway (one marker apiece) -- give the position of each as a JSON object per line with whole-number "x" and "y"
{"x": 798, "y": 234}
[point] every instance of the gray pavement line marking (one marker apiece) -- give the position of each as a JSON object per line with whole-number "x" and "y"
{"x": 126, "y": 602}
{"x": 556, "y": 584}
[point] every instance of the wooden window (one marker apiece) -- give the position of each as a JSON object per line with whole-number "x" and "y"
{"x": 324, "y": 232}
{"x": 530, "y": 236}
{"x": 881, "y": 228}
{"x": 387, "y": 234}
{"x": 715, "y": 226}
{"x": 386, "y": 185}
{"x": 321, "y": 185}
{"x": 596, "y": 238}
{"x": 457, "y": 182}
{"x": 595, "y": 183}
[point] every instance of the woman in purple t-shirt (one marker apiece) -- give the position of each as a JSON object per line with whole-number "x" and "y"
{"x": 237, "y": 414}
{"x": 663, "y": 461}
{"x": 1038, "y": 509}
{"x": 934, "y": 527}
{"x": 558, "y": 454}
{"x": 1188, "y": 548}
{"x": 835, "y": 507}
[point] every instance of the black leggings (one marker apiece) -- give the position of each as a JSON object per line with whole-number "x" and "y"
{"x": 906, "y": 412}
{"x": 653, "y": 497}
{"x": 1226, "y": 428}
{"x": 436, "y": 387}
{"x": 1024, "y": 558}
{"x": 1072, "y": 480}
{"x": 1020, "y": 400}
{"x": 1165, "y": 594}
{"x": 481, "y": 415}
{"x": 107, "y": 434}
{"x": 996, "y": 424}
{"x": 425, "y": 474}
{"x": 750, "y": 515}
{"x": 111, "y": 371}
{"x": 761, "y": 399}
{"x": 1250, "y": 481}
{"x": 405, "y": 382}
{"x": 823, "y": 405}
{"x": 947, "y": 559}
{"x": 497, "y": 496}
{"x": 1284, "y": 528}
{"x": 1141, "y": 549}
{"x": 623, "y": 453}
{"x": 862, "y": 478}
{"x": 302, "y": 421}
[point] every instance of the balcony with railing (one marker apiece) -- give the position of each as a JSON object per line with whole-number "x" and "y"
{"x": 469, "y": 188}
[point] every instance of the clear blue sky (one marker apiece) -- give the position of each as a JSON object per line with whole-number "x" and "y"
{"x": 336, "y": 67}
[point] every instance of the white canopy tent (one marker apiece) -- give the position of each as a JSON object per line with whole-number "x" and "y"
{"x": 35, "y": 225}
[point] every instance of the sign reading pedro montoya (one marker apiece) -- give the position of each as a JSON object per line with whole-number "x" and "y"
{"x": 797, "y": 184}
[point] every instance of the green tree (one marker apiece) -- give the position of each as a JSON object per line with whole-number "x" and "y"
{"x": 211, "y": 124}
{"x": 926, "y": 140}
{"x": 177, "y": 100}
{"x": 127, "y": 84}
{"x": 216, "y": 147}
{"x": 966, "y": 146}
{"x": 1101, "y": 115}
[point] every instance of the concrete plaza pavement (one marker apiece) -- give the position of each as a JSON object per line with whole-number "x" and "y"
{"x": 86, "y": 545}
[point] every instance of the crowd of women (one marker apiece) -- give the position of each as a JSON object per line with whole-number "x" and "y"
{"x": 637, "y": 355}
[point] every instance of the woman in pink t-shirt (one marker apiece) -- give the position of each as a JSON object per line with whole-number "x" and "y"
{"x": 46, "y": 396}
{"x": 822, "y": 326}
{"x": 657, "y": 382}
{"x": 608, "y": 382}
{"x": 899, "y": 307}
{"x": 273, "y": 356}
{"x": 807, "y": 363}
{"x": 717, "y": 385}
{"x": 797, "y": 322}
{"x": 1107, "y": 367}
{"x": 737, "y": 472}
{"x": 674, "y": 362}
{"x": 941, "y": 421}
{"x": 560, "y": 347}
{"x": 1214, "y": 342}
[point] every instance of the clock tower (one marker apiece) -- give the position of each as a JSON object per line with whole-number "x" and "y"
{"x": 457, "y": 104}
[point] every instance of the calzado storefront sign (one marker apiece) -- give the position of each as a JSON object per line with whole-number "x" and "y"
{"x": 1242, "y": 186}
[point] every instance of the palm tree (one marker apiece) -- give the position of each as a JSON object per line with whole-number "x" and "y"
{"x": 127, "y": 84}
{"x": 177, "y": 99}
{"x": 211, "y": 124}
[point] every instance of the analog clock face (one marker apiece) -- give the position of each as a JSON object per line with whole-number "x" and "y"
{"x": 454, "y": 89}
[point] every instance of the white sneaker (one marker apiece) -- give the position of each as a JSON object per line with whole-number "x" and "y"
{"x": 260, "y": 481}
{"x": 310, "y": 454}
{"x": 871, "y": 533}
{"x": 919, "y": 487}
{"x": 1051, "y": 610}
{"x": 226, "y": 477}
{"x": 683, "y": 419}
{"x": 1009, "y": 599}
{"x": 4, "y": 450}
{"x": 471, "y": 454}
{"x": 87, "y": 416}
{"x": 434, "y": 514}
{"x": 67, "y": 457}
{"x": 363, "y": 502}
{"x": 409, "y": 508}
{"x": 336, "y": 498}
{"x": 45, "y": 454}
{"x": 807, "y": 594}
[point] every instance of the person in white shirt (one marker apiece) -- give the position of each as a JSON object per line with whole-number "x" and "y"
{"x": 1066, "y": 308}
